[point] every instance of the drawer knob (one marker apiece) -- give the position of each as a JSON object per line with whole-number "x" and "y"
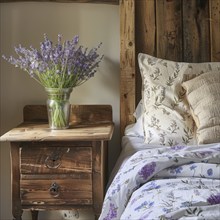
{"x": 53, "y": 161}
{"x": 54, "y": 189}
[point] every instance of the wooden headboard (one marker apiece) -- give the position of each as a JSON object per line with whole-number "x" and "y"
{"x": 178, "y": 30}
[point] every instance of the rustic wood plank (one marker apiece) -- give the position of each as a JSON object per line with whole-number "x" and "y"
{"x": 53, "y": 204}
{"x": 196, "y": 30}
{"x": 104, "y": 165}
{"x": 15, "y": 180}
{"x": 39, "y": 176}
{"x": 39, "y": 190}
{"x": 79, "y": 113}
{"x": 45, "y": 159}
{"x": 145, "y": 35}
{"x": 56, "y": 207}
{"x": 32, "y": 113}
{"x": 97, "y": 188}
{"x": 127, "y": 63}
{"x": 145, "y": 27}
{"x": 113, "y": 2}
{"x": 42, "y": 132}
{"x": 215, "y": 29}
{"x": 34, "y": 214}
{"x": 169, "y": 29}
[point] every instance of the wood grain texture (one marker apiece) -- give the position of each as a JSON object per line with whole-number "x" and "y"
{"x": 113, "y": 2}
{"x": 215, "y": 29}
{"x": 79, "y": 114}
{"x": 15, "y": 180}
{"x": 71, "y": 191}
{"x": 42, "y": 132}
{"x": 44, "y": 159}
{"x": 169, "y": 29}
{"x": 145, "y": 36}
{"x": 145, "y": 27}
{"x": 196, "y": 31}
{"x": 127, "y": 63}
{"x": 97, "y": 178}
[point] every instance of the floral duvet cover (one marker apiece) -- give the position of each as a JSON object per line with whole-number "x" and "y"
{"x": 180, "y": 182}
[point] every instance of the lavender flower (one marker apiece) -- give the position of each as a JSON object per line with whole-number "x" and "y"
{"x": 112, "y": 212}
{"x": 176, "y": 170}
{"x": 177, "y": 147}
{"x": 193, "y": 167}
{"x": 214, "y": 199}
{"x": 210, "y": 172}
{"x": 63, "y": 65}
{"x": 147, "y": 170}
{"x": 143, "y": 205}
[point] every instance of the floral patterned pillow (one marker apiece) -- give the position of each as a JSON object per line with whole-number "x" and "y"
{"x": 166, "y": 115}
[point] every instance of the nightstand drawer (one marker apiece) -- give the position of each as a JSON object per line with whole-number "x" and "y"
{"x": 44, "y": 159}
{"x": 70, "y": 191}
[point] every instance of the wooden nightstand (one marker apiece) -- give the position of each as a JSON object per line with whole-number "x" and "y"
{"x": 60, "y": 169}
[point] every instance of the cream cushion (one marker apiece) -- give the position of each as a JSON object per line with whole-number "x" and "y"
{"x": 203, "y": 95}
{"x": 166, "y": 116}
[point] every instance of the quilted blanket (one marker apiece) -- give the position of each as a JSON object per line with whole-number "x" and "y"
{"x": 181, "y": 182}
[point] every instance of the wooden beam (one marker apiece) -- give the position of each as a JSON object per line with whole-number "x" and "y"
{"x": 112, "y": 2}
{"x": 214, "y": 9}
{"x": 127, "y": 62}
{"x": 196, "y": 31}
{"x": 169, "y": 29}
{"x": 145, "y": 35}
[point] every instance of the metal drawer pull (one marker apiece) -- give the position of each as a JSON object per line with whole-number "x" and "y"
{"x": 53, "y": 161}
{"x": 54, "y": 189}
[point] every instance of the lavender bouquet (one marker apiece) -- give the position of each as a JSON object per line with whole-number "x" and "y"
{"x": 57, "y": 67}
{"x": 64, "y": 65}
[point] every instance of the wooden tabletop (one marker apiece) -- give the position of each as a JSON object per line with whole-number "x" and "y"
{"x": 42, "y": 132}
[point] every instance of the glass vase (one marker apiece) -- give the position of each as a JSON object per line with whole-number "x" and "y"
{"x": 58, "y": 107}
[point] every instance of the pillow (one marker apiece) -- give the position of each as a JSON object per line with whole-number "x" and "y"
{"x": 166, "y": 115}
{"x": 136, "y": 129}
{"x": 203, "y": 95}
{"x": 139, "y": 110}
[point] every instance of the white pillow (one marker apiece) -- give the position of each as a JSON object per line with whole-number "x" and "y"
{"x": 136, "y": 129}
{"x": 139, "y": 110}
{"x": 166, "y": 117}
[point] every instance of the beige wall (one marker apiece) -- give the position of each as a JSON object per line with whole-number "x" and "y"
{"x": 25, "y": 23}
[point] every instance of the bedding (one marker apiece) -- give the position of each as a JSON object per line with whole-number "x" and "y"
{"x": 177, "y": 182}
{"x": 167, "y": 119}
{"x": 130, "y": 145}
{"x": 203, "y": 95}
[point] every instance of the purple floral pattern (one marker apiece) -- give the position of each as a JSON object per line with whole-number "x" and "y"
{"x": 214, "y": 199}
{"x": 166, "y": 183}
{"x": 147, "y": 170}
{"x": 112, "y": 212}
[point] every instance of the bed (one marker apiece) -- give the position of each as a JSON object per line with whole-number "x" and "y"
{"x": 169, "y": 166}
